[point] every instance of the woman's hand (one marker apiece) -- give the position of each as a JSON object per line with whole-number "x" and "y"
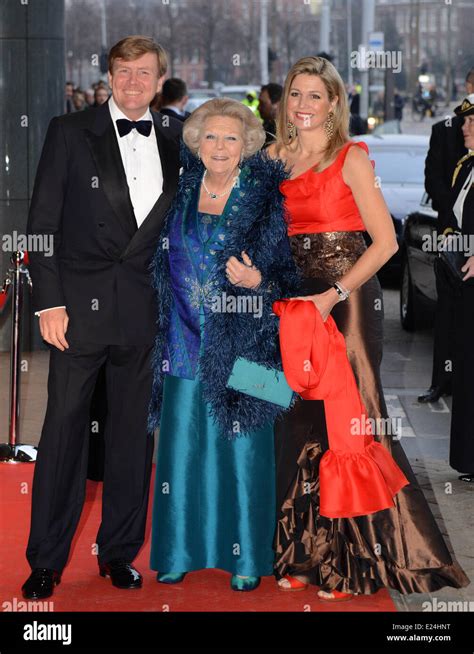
{"x": 324, "y": 302}
{"x": 243, "y": 274}
{"x": 468, "y": 268}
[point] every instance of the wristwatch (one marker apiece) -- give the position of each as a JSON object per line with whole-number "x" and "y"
{"x": 341, "y": 291}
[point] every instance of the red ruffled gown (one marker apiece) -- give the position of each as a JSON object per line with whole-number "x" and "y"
{"x": 400, "y": 547}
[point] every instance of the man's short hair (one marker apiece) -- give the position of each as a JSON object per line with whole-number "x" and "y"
{"x": 275, "y": 91}
{"x": 133, "y": 47}
{"x": 174, "y": 90}
{"x": 470, "y": 76}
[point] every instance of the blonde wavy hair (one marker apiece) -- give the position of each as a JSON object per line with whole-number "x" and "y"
{"x": 252, "y": 131}
{"x": 334, "y": 87}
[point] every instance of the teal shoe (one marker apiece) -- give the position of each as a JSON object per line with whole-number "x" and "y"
{"x": 170, "y": 577}
{"x": 247, "y": 584}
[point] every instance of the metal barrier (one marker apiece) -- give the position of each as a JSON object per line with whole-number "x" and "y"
{"x": 17, "y": 275}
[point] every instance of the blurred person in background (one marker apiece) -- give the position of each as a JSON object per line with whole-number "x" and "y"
{"x": 101, "y": 95}
{"x": 268, "y": 103}
{"x": 69, "y": 92}
{"x": 354, "y": 99}
{"x": 432, "y": 99}
{"x": 357, "y": 124}
{"x": 379, "y": 107}
{"x": 398, "y": 104}
{"x": 251, "y": 101}
{"x": 174, "y": 98}
{"x": 446, "y": 148}
{"x": 79, "y": 100}
{"x": 89, "y": 95}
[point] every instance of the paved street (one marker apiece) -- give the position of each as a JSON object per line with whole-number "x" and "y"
{"x": 406, "y": 371}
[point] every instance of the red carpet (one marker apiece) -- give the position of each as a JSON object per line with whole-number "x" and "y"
{"x": 82, "y": 589}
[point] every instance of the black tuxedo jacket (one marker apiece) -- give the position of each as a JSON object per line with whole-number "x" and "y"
{"x": 100, "y": 266}
{"x": 446, "y": 148}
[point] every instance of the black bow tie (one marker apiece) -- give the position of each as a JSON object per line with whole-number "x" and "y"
{"x": 125, "y": 126}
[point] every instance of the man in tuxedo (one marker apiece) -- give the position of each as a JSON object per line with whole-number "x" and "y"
{"x": 105, "y": 180}
{"x": 174, "y": 97}
{"x": 446, "y": 148}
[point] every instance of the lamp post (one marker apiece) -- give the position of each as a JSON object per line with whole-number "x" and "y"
{"x": 264, "y": 79}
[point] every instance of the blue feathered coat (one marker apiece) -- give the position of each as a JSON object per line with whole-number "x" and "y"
{"x": 260, "y": 230}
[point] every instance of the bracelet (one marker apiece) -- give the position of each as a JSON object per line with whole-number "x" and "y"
{"x": 341, "y": 291}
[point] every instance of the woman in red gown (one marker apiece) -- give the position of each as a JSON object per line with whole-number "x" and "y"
{"x": 332, "y": 197}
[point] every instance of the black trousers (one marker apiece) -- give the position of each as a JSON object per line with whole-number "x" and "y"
{"x": 461, "y": 452}
{"x": 98, "y": 418}
{"x": 61, "y": 467}
{"x": 443, "y": 348}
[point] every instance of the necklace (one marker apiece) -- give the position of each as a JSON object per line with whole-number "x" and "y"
{"x": 215, "y": 196}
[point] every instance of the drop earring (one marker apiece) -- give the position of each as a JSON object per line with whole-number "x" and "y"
{"x": 291, "y": 130}
{"x": 329, "y": 125}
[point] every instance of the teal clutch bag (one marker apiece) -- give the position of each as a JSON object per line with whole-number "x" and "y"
{"x": 260, "y": 382}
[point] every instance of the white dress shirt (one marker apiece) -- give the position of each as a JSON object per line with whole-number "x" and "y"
{"x": 142, "y": 165}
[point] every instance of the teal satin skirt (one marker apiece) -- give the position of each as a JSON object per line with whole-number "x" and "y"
{"x": 214, "y": 502}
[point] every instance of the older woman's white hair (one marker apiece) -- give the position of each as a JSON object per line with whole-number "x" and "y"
{"x": 253, "y": 133}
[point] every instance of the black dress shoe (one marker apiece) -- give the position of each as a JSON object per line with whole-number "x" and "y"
{"x": 40, "y": 584}
{"x": 122, "y": 573}
{"x": 468, "y": 476}
{"x": 431, "y": 395}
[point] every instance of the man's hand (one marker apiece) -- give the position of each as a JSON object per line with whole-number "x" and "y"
{"x": 53, "y": 326}
{"x": 468, "y": 268}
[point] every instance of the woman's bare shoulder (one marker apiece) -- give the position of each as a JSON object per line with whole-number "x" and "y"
{"x": 357, "y": 163}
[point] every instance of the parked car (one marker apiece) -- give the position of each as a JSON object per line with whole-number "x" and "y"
{"x": 388, "y": 127}
{"x": 418, "y": 252}
{"x": 399, "y": 164}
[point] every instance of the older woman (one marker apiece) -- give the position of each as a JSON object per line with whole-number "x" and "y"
{"x": 215, "y": 480}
